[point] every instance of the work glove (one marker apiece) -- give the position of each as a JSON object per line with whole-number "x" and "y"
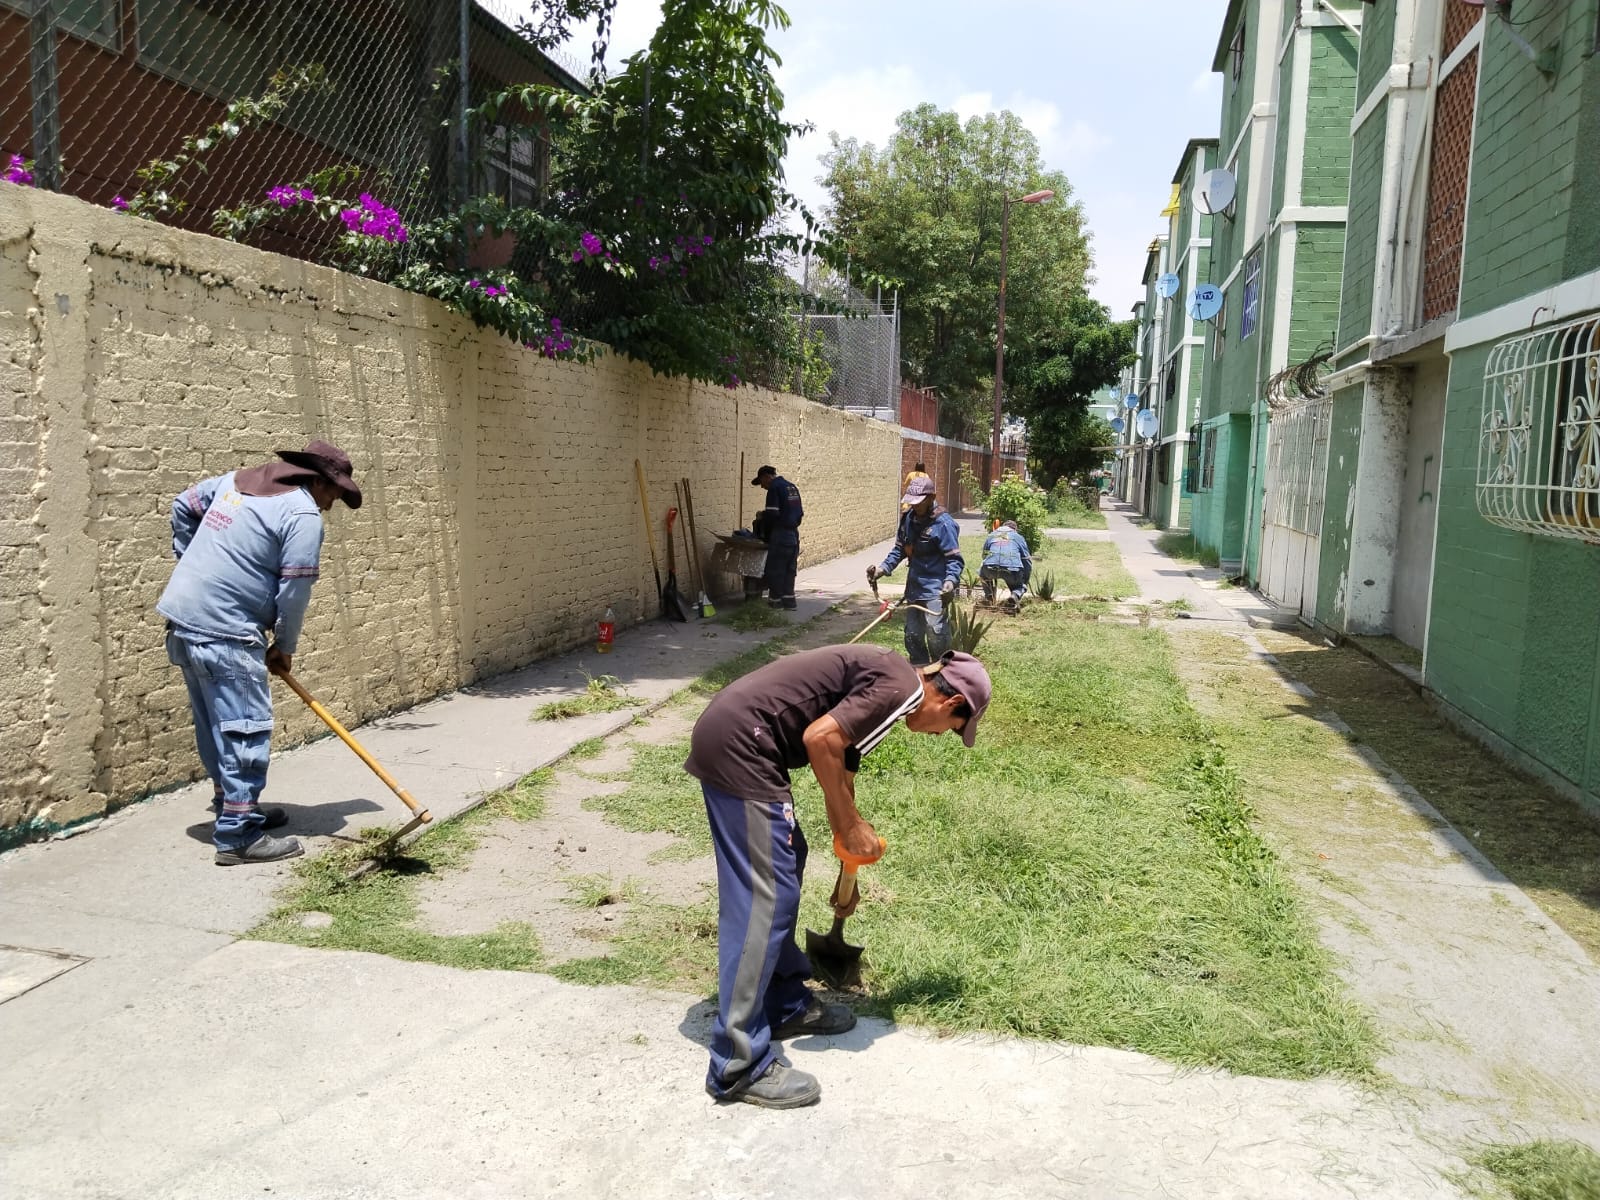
{"x": 874, "y": 573}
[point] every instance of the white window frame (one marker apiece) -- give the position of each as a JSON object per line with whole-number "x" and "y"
{"x": 1236, "y": 57}
{"x": 111, "y": 15}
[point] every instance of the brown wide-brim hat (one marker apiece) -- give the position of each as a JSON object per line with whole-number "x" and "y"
{"x": 332, "y": 463}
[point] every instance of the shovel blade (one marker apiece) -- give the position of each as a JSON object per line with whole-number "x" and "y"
{"x": 834, "y": 959}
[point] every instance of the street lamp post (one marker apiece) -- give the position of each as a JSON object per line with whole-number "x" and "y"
{"x": 1000, "y": 323}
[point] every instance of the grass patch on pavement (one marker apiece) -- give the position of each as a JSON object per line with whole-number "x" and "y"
{"x": 751, "y": 616}
{"x": 1544, "y": 1170}
{"x": 601, "y": 694}
{"x": 1180, "y": 544}
{"x": 377, "y": 912}
{"x": 1075, "y": 517}
{"x": 1079, "y": 568}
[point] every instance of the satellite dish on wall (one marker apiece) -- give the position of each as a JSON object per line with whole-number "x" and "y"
{"x": 1146, "y": 425}
{"x": 1118, "y": 424}
{"x": 1205, "y": 302}
{"x": 1167, "y": 286}
{"x": 1131, "y": 402}
{"x": 1215, "y": 192}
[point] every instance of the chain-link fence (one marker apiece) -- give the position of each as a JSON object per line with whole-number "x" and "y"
{"x": 850, "y": 346}
{"x": 138, "y": 101}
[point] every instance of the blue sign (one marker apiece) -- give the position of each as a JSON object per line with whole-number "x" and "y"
{"x": 1205, "y": 302}
{"x": 1118, "y": 424}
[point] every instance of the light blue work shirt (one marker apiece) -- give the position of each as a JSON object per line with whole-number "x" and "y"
{"x": 245, "y": 563}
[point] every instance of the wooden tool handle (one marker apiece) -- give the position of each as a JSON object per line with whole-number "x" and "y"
{"x": 332, "y": 723}
{"x": 845, "y": 890}
{"x": 649, "y": 529}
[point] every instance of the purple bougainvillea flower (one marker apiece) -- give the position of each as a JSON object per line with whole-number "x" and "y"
{"x": 592, "y": 243}
{"x": 577, "y": 256}
{"x": 17, "y": 171}
{"x": 118, "y": 203}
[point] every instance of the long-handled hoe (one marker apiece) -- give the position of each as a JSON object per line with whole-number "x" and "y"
{"x": 419, "y": 815}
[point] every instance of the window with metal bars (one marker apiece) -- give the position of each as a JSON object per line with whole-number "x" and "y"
{"x": 516, "y": 164}
{"x": 1208, "y": 462}
{"x": 1236, "y": 57}
{"x": 1539, "y": 445}
{"x": 1250, "y": 305}
{"x": 1191, "y": 465}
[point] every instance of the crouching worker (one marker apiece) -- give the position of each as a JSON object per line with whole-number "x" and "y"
{"x": 823, "y": 708}
{"x": 930, "y": 540}
{"x": 1006, "y": 560}
{"x": 248, "y": 545}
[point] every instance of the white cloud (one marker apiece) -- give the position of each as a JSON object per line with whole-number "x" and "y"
{"x": 861, "y": 104}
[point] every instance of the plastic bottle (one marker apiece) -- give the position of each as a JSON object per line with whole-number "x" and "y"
{"x": 607, "y": 633}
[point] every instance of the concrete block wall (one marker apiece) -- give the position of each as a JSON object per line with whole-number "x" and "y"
{"x": 501, "y": 519}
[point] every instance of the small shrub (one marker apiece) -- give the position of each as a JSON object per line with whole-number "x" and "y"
{"x": 966, "y": 631}
{"x": 1045, "y": 589}
{"x": 1012, "y": 499}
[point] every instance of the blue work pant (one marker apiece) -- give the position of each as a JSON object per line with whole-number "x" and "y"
{"x": 927, "y": 636}
{"x": 761, "y": 972}
{"x": 1014, "y": 578}
{"x": 230, "y": 697}
{"x": 783, "y": 560}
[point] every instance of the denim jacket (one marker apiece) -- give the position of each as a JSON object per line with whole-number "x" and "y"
{"x": 245, "y": 563}
{"x": 934, "y": 548}
{"x": 1008, "y": 550}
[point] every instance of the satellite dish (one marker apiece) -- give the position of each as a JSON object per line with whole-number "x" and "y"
{"x": 1205, "y": 302}
{"x": 1131, "y": 402}
{"x": 1215, "y": 192}
{"x": 1167, "y": 286}
{"x": 1118, "y": 424}
{"x": 1146, "y": 425}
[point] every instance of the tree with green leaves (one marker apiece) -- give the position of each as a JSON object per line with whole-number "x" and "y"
{"x": 923, "y": 215}
{"x": 1056, "y": 376}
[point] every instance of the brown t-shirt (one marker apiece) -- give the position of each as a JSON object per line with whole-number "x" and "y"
{"x": 751, "y": 735}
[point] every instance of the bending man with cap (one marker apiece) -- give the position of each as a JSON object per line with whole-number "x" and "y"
{"x": 779, "y": 525}
{"x": 824, "y": 709}
{"x": 929, "y": 538}
{"x": 248, "y": 545}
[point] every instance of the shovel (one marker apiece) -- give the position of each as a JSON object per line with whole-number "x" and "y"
{"x": 836, "y": 960}
{"x": 672, "y": 601}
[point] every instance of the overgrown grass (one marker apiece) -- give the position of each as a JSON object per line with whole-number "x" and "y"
{"x": 753, "y": 616}
{"x": 1070, "y": 514}
{"x": 377, "y": 912}
{"x": 1545, "y": 1170}
{"x": 1089, "y": 872}
{"x": 1180, "y": 544}
{"x": 602, "y": 694}
{"x": 1079, "y": 568}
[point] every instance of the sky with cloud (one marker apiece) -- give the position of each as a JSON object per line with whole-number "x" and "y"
{"x": 1113, "y": 90}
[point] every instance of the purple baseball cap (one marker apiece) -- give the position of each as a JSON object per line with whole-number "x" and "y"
{"x": 917, "y": 491}
{"x": 967, "y": 675}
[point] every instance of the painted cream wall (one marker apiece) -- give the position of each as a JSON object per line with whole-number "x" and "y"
{"x": 501, "y": 515}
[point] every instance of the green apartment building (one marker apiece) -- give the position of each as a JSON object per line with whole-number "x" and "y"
{"x": 1289, "y": 82}
{"x": 1513, "y": 632}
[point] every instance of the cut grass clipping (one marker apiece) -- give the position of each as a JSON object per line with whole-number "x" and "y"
{"x": 601, "y": 694}
{"x": 755, "y": 615}
{"x": 1544, "y": 1170}
{"x": 377, "y": 912}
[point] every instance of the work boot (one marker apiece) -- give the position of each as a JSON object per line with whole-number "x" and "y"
{"x": 780, "y": 1087}
{"x": 264, "y": 849}
{"x": 819, "y": 1019}
{"x": 791, "y": 603}
{"x": 276, "y": 817}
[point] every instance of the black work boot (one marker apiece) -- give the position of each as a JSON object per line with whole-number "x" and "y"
{"x": 780, "y": 1087}
{"x": 819, "y": 1019}
{"x": 264, "y": 849}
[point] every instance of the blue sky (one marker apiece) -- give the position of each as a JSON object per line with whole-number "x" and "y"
{"x": 1113, "y": 90}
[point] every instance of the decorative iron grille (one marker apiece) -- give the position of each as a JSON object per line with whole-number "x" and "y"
{"x": 1539, "y": 443}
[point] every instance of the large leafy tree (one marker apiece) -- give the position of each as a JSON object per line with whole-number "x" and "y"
{"x": 923, "y": 214}
{"x": 1055, "y": 377}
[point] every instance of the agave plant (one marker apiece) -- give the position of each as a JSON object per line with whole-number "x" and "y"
{"x": 1045, "y": 589}
{"x": 966, "y": 631}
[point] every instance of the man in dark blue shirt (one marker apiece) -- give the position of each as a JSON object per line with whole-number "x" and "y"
{"x": 779, "y": 524}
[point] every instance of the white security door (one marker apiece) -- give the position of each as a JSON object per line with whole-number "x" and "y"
{"x": 1297, "y": 474}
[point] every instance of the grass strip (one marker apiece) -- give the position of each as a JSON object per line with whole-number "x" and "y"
{"x": 1543, "y": 1170}
{"x": 1180, "y": 544}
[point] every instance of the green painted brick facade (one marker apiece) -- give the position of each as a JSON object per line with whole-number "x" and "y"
{"x": 1329, "y": 109}
{"x": 1377, "y": 48}
{"x": 1514, "y": 632}
{"x": 1361, "y": 230}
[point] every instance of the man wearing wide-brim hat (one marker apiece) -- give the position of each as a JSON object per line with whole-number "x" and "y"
{"x": 249, "y": 546}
